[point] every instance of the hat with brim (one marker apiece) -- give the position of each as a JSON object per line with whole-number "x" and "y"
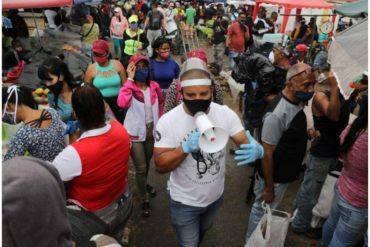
{"x": 100, "y": 46}
{"x": 192, "y": 64}
{"x": 137, "y": 58}
{"x": 133, "y": 18}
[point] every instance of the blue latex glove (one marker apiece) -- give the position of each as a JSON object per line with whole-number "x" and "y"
{"x": 191, "y": 145}
{"x": 251, "y": 152}
{"x": 71, "y": 128}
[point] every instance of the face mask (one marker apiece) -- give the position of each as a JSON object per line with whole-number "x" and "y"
{"x": 272, "y": 57}
{"x": 133, "y": 26}
{"x": 295, "y": 54}
{"x": 197, "y": 105}
{"x": 18, "y": 49}
{"x": 171, "y": 8}
{"x": 164, "y": 55}
{"x": 100, "y": 60}
{"x": 141, "y": 75}
{"x": 9, "y": 118}
{"x": 303, "y": 96}
{"x": 321, "y": 48}
{"x": 56, "y": 88}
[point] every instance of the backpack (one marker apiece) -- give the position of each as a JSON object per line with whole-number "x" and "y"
{"x": 179, "y": 14}
{"x": 155, "y": 21}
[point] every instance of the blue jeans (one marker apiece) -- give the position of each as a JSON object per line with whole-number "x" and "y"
{"x": 346, "y": 224}
{"x": 309, "y": 193}
{"x": 257, "y": 210}
{"x": 232, "y": 55}
{"x": 118, "y": 45}
{"x": 191, "y": 223}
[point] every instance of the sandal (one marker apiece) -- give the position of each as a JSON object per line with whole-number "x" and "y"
{"x": 145, "y": 208}
{"x": 151, "y": 190}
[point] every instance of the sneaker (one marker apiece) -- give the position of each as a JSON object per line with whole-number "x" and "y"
{"x": 145, "y": 208}
{"x": 151, "y": 190}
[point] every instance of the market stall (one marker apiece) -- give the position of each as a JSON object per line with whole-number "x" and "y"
{"x": 293, "y": 4}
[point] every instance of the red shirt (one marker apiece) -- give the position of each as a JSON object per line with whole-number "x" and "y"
{"x": 236, "y": 34}
{"x": 353, "y": 181}
{"x": 104, "y": 161}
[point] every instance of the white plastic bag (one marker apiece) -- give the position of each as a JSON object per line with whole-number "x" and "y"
{"x": 271, "y": 230}
{"x": 323, "y": 207}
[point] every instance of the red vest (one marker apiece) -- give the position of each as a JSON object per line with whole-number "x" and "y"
{"x": 104, "y": 161}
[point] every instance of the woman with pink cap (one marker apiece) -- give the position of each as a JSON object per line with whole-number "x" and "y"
{"x": 118, "y": 25}
{"x": 89, "y": 33}
{"x": 144, "y": 102}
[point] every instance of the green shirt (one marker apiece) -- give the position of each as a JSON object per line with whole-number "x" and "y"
{"x": 190, "y": 13}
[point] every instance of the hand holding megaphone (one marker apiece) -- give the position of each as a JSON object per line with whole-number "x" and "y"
{"x": 250, "y": 152}
{"x": 192, "y": 144}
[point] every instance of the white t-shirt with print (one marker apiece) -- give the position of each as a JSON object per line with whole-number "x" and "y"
{"x": 187, "y": 185}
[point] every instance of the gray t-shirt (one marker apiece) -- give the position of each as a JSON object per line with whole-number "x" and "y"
{"x": 155, "y": 19}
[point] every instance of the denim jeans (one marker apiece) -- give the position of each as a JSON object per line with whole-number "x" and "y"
{"x": 257, "y": 210}
{"x": 309, "y": 193}
{"x": 118, "y": 46}
{"x": 346, "y": 224}
{"x": 232, "y": 55}
{"x": 191, "y": 223}
{"x": 218, "y": 54}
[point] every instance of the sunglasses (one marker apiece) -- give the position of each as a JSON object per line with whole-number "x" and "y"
{"x": 306, "y": 71}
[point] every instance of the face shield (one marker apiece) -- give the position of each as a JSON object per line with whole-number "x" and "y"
{"x": 195, "y": 64}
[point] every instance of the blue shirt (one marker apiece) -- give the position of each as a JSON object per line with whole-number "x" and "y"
{"x": 164, "y": 72}
{"x": 64, "y": 109}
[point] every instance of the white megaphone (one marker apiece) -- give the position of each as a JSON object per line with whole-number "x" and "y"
{"x": 212, "y": 139}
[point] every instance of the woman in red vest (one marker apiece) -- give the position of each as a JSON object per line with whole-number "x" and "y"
{"x": 96, "y": 162}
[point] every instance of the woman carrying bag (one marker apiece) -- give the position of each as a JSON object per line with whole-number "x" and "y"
{"x": 144, "y": 100}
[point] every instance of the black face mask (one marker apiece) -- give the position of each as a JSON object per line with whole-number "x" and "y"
{"x": 197, "y": 105}
{"x": 56, "y": 88}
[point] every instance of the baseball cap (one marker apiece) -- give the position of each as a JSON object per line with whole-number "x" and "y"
{"x": 100, "y": 46}
{"x": 116, "y": 10}
{"x": 301, "y": 48}
{"x": 120, "y": 3}
{"x": 198, "y": 54}
{"x": 133, "y": 18}
{"x": 138, "y": 57}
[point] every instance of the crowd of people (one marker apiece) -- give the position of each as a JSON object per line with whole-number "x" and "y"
{"x": 140, "y": 103}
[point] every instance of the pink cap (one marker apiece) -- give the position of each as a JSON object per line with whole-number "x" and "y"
{"x": 301, "y": 48}
{"x": 138, "y": 57}
{"x": 198, "y": 54}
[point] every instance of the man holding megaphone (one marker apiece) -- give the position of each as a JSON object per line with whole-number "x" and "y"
{"x": 191, "y": 144}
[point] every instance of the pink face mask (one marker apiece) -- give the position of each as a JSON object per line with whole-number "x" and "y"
{"x": 18, "y": 49}
{"x": 100, "y": 60}
{"x": 164, "y": 55}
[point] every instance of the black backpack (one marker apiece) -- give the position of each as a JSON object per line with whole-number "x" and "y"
{"x": 155, "y": 21}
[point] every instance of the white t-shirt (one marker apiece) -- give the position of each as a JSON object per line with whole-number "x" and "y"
{"x": 50, "y": 16}
{"x": 186, "y": 184}
{"x": 148, "y": 106}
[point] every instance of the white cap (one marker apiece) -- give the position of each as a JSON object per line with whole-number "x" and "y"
{"x": 195, "y": 63}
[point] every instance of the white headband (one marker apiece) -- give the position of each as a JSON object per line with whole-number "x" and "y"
{"x": 196, "y": 82}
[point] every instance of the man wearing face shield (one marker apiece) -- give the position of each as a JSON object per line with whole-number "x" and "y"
{"x": 197, "y": 178}
{"x": 284, "y": 139}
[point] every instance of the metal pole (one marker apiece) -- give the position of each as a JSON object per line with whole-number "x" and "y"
{"x": 37, "y": 29}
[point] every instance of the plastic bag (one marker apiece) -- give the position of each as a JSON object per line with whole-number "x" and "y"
{"x": 322, "y": 209}
{"x": 14, "y": 74}
{"x": 271, "y": 230}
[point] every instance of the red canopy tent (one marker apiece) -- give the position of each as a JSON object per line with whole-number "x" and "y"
{"x": 293, "y": 4}
{"x": 32, "y": 4}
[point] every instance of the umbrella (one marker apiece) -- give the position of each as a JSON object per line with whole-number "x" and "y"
{"x": 356, "y": 9}
{"x": 348, "y": 56}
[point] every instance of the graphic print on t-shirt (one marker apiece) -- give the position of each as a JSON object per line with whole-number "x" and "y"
{"x": 205, "y": 162}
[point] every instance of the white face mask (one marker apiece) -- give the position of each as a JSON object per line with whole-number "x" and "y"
{"x": 10, "y": 117}
{"x": 272, "y": 57}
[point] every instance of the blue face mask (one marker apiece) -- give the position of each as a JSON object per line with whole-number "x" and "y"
{"x": 303, "y": 96}
{"x": 133, "y": 26}
{"x": 141, "y": 75}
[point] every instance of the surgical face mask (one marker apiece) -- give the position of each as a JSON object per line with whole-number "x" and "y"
{"x": 10, "y": 117}
{"x": 197, "y": 105}
{"x": 19, "y": 49}
{"x": 164, "y": 55}
{"x": 141, "y": 75}
{"x": 272, "y": 57}
{"x": 133, "y": 26}
{"x": 171, "y": 8}
{"x": 100, "y": 60}
{"x": 303, "y": 96}
{"x": 56, "y": 88}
